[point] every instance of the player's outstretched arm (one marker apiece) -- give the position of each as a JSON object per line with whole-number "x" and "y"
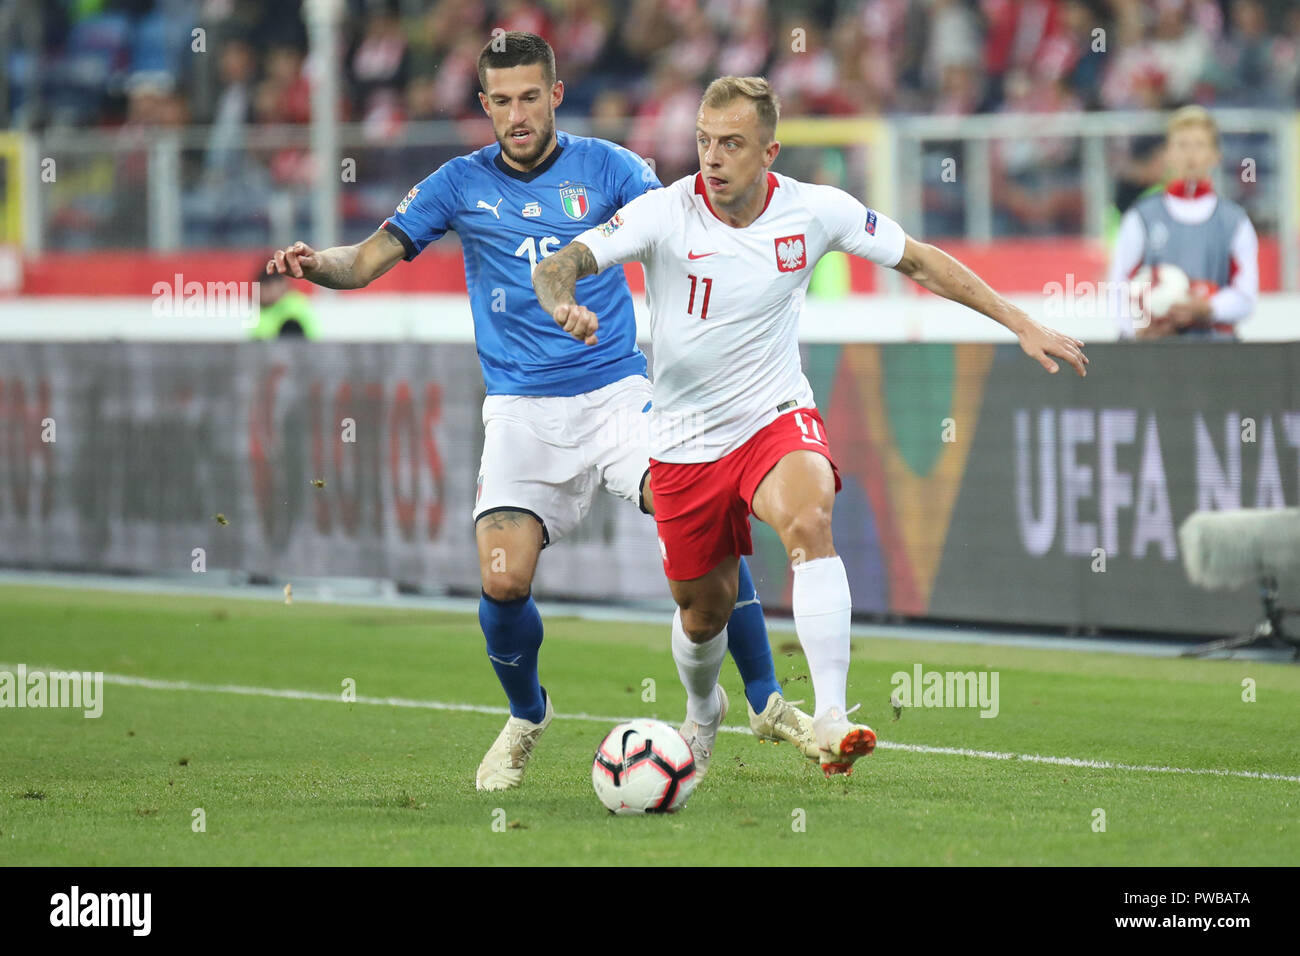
{"x": 555, "y": 281}
{"x": 340, "y": 267}
{"x": 932, "y": 268}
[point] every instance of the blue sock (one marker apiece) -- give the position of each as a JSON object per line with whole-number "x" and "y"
{"x": 514, "y": 634}
{"x": 747, "y": 642}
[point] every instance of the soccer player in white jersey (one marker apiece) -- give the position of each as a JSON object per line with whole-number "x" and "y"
{"x": 728, "y": 253}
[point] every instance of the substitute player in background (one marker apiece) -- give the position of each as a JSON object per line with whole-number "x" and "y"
{"x": 560, "y": 419}
{"x": 728, "y": 254}
{"x": 1188, "y": 225}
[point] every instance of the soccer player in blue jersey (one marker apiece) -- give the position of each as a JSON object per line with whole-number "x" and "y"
{"x": 560, "y": 418}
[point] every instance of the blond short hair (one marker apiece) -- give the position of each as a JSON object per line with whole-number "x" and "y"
{"x": 1192, "y": 116}
{"x": 756, "y": 89}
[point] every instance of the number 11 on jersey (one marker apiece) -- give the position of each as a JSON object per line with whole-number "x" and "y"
{"x": 704, "y": 306}
{"x": 811, "y": 433}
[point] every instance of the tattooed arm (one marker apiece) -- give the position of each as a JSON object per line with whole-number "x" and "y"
{"x": 555, "y": 280}
{"x": 340, "y": 267}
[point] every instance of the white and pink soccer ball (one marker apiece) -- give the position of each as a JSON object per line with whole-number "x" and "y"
{"x": 643, "y": 766}
{"x": 1154, "y": 290}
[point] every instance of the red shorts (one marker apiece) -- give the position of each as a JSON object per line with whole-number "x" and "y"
{"x": 702, "y": 509}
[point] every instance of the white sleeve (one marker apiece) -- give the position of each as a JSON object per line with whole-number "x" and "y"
{"x": 859, "y": 231}
{"x": 631, "y": 233}
{"x": 1127, "y": 256}
{"x": 1235, "y": 301}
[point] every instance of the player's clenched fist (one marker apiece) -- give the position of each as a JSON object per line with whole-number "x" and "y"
{"x": 578, "y": 321}
{"x": 296, "y": 260}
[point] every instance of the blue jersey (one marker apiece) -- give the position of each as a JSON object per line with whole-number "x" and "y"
{"x": 508, "y": 221}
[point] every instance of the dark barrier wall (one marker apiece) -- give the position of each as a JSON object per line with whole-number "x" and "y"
{"x": 977, "y": 486}
{"x": 321, "y": 459}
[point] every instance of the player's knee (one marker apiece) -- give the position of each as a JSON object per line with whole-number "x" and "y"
{"x": 506, "y": 585}
{"x": 808, "y": 531}
{"x": 704, "y": 624}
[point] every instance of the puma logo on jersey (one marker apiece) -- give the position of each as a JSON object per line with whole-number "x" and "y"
{"x": 492, "y": 209}
{"x": 790, "y": 255}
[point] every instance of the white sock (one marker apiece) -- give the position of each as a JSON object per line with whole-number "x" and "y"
{"x": 698, "y": 665}
{"x": 823, "y": 610}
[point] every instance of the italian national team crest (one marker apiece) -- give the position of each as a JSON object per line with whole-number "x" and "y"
{"x": 791, "y": 256}
{"x": 574, "y": 200}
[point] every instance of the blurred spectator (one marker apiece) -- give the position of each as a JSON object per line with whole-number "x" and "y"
{"x": 225, "y": 153}
{"x": 153, "y": 106}
{"x": 1242, "y": 68}
{"x": 377, "y": 66}
{"x": 747, "y": 42}
{"x": 953, "y": 41}
{"x": 580, "y": 37}
{"x": 1181, "y": 45}
{"x": 1286, "y": 59}
{"x": 1135, "y": 80}
{"x": 1018, "y": 31}
{"x": 1138, "y": 167}
{"x": 1188, "y": 226}
{"x": 664, "y": 125}
{"x": 526, "y": 16}
{"x": 609, "y": 114}
{"x": 284, "y": 96}
{"x": 446, "y": 24}
{"x": 650, "y": 26}
{"x": 283, "y": 310}
{"x": 232, "y": 193}
{"x": 807, "y": 82}
{"x": 1077, "y": 53}
{"x": 1035, "y": 179}
{"x": 152, "y": 103}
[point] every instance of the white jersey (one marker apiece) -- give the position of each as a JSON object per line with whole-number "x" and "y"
{"x": 725, "y": 302}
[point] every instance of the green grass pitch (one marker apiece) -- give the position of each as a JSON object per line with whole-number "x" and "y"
{"x": 284, "y": 780}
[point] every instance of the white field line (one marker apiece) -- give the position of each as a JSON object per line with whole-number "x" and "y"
{"x": 150, "y": 683}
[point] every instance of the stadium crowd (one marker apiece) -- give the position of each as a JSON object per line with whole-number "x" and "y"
{"x": 77, "y": 61}
{"x": 636, "y": 69}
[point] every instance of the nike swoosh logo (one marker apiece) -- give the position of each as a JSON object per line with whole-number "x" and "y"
{"x": 513, "y": 663}
{"x": 699, "y": 255}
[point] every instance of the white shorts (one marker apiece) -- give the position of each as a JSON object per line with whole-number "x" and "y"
{"x": 549, "y": 455}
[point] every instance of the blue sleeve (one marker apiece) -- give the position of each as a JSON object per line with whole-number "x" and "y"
{"x": 631, "y": 175}
{"x": 427, "y": 212}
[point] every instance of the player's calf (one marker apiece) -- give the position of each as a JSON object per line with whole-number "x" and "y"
{"x": 509, "y": 543}
{"x": 796, "y": 497}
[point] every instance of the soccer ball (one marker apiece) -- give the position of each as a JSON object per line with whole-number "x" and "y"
{"x": 643, "y": 766}
{"x": 1155, "y": 289}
